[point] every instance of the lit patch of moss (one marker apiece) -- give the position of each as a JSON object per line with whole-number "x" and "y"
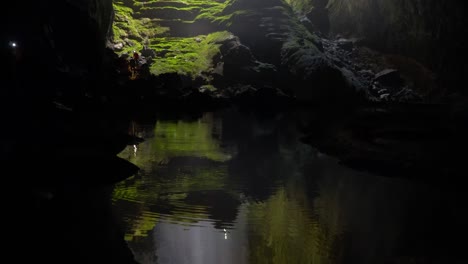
{"x": 138, "y": 24}
{"x": 217, "y": 18}
{"x": 131, "y": 32}
{"x": 188, "y": 56}
{"x": 186, "y": 10}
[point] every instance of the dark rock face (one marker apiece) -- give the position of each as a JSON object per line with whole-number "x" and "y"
{"x": 57, "y": 40}
{"x": 429, "y": 31}
{"x": 316, "y": 77}
{"x": 240, "y": 66}
{"x": 319, "y": 17}
{"x": 263, "y": 28}
{"x": 274, "y": 36}
{"x": 264, "y": 48}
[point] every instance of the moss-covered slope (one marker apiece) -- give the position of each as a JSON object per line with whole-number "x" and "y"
{"x": 166, "y": 27}
{"x": 226, "y": 44}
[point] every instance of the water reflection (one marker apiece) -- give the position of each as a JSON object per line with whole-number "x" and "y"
{"x": 233, "y": 188}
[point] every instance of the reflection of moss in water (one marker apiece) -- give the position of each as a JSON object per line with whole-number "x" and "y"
{"x": 284, "y": 231}
{"x": 148, "y": 190}
{"x": 178, "y": 139}
{"x": 182, "y": 158}
{"x": 166, "y": 197}
{"x": 193, "y": 139}
{"x": 142, "y": 226}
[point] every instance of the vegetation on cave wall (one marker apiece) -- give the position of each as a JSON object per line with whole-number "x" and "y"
{"x": 190, "y": 56}
{"x": 185, "y": 35}
{"x": 156, "y": 25}
{"x": 133, "y": 32}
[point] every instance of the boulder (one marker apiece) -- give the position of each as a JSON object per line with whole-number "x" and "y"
{"x": 147, "y": 52}
{"x": 118, "y": 46}
{"x": 316, "y": 78}
{"x": 389, "y": 77}
{"x": 238, "y": 65}
{"x": 345, "y": 44}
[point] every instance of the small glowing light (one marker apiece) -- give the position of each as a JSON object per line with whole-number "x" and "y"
{"x": 13, "y": 44}
{"x": 135, "y": 149}
{"x": 225, "y": 233}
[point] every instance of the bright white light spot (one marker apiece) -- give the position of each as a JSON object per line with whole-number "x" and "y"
{"x": 13, "y": 44}
{"x": 135, "y": 149}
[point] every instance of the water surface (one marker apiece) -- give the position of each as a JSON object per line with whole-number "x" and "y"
{"x": 238, "y": 188}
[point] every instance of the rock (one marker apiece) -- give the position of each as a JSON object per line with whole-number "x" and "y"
{"x": 240, "y": 66}
{"x": 382, "y": 91}
{"x": 319, "y": 18}
{"x": 404, "y": 28}
{"x": 366, "y": 73}
{"x": 389, "y": 77}
{"x": 118, "y": 46}
{"x": 125, "y": 56}
{"x": 129, "y": 42}
{"x": 307, "y": 23}
{"x": 265, "y": 28}
{"x": 199, "y": 97}
{"x": 384, "y": 97}
{"x": 345, "y": 44}
{"x": 317, "y": 77}
{"x": 407, "y": 95}
{"x": 147, "y": 52}
{"x": 237, "y": 54}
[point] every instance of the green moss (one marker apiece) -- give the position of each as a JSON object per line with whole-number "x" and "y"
{"x": 225, "y": 20}
{"x": 132, "y": 32}
{"x": 188, "y": 56}
{"x": 139, "y": 24}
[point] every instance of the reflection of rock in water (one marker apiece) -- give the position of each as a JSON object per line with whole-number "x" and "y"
{"x": 221, "y": 206}
{"x": 382, "y": 220}
{"x": 404, "y": 140}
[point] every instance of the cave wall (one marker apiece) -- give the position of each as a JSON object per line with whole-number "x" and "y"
{"x": 60, "y": 45}
{"x": 431, "y": 31}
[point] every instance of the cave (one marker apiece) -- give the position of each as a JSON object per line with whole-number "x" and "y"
{"x": 234, "y": 131}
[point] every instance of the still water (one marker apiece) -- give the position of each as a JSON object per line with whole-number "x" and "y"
{"x": 237, "y": 188}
